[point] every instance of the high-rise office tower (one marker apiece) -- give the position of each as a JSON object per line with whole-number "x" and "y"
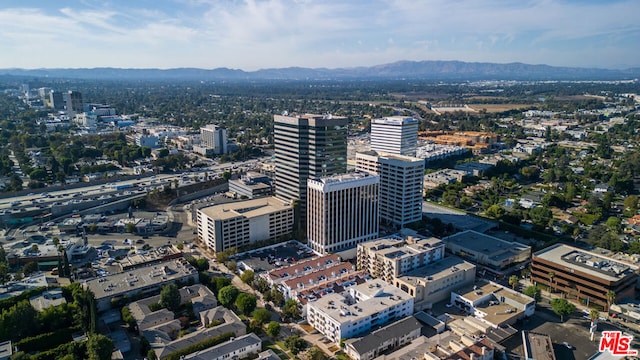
{"x": 401, "y": 185}
{"x": 56, "y": 100}
{"x": 74, "y": 102}
{"x": 214, "y": 137}
{"x": 307, "y": 146}
{"x": 395, "y": 135}
{"x": 342, "y": 211}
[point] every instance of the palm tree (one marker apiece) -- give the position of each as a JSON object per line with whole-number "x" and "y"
{"x": 611, "y": 297}
{"x": 551, "y": 276}
{"x": 593, "y": 315}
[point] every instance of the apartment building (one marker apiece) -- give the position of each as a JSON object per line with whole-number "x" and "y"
{"x": 358, "y": 310}
{"x": 395, "y": 134}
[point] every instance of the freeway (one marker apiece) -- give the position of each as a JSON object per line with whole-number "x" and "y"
{"x": 43, "y": 198}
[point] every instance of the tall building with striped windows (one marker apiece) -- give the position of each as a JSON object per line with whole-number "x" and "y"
{"x": 307, "y": 146}
{"x": 342, "y": 211}
{"x": 401, "y": 185}
{"x": 395, "y": 135}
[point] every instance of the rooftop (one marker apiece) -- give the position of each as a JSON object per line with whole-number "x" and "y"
{"x": 346, "y": 180}
{"x": 376, "y": 296}
{"x": 140, "y": 278}
{"x": 225, "y": 348}
{"x": 302, "y": 267}
{"x": 492, "y": 247}
{"x": 586, "y": 262}
{"x": 319, "y": 275}
{"x": 246, "y": 208}
{"x": 395, "y": 120}
{"x": 397, "y": 329}
{"x": 538, "y": 346}
{"x": 437, "y": 270}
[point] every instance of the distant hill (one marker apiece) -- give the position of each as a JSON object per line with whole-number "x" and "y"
{"x": 418, "y": 70}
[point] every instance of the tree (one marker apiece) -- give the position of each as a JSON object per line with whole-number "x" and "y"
{"x": 631, "y": 203}
{"x": 513, "y": 281}
{"x": 613, "y": 224}
{"x": 593, "y": 315}
{"x": 551, "y": 276}
{"x": 540, "y": 216}
{"x": 30, "y": 267}
{"x": 247, "y": 276}
{"x": 34, "y": 248}
{"x": 273, "y": 329}
{"x": 261, "y": 285}
{"x": 316, "y": 354}
{"x": 4, "y": 273}
{"x": 611, "y": 298}
{"x": 534, "y": 292}
{"x": 262, "y": 316}
{"x": 562, "y": 307}
{"x": 170, "y": 297}
{"x": 245, "y": 303}
{"x": 227, "y": 295}
{"x": 131, "y": 228}
{"x": 291, "y": 310}
{"x": 295, "y": 343}
{"x": 151, "y": 355}
{"x": 99, "y": 347}
{"x": 495, "y": 211}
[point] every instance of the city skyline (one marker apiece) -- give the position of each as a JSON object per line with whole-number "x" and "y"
{"x": 252, "y": 35}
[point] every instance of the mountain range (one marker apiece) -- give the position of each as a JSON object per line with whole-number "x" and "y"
{"x": 401, "y": 70}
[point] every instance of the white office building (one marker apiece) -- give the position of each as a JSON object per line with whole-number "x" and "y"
{"x": 355, "y": 312}
{"x": 401, "y": 185}
{"x": 342, "y": 211}
{"x": 214, "y": 137}
{"x": 395, "y": 134}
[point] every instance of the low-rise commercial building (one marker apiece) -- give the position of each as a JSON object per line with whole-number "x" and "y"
{"x": 384, "y": 339}
{"x": 251, "y": 185}
{"x": 493, "y": 303}
{"x": 583, "y": 274}
{"x": 239, "y": 224}
{"x": 487, "y": 250}
{"x": 146, "y": 280}
{"x": 435, "y": 282}
{"x": 358, "y": 310}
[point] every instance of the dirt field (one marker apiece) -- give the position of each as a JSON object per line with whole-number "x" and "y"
{"x": 498, "y": 107}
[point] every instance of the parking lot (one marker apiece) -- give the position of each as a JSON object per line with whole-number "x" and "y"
{"x": 266, "y": 259}
{"x": 574, "y": 330}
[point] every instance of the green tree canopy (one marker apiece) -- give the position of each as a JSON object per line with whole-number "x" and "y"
{"x": 247, "y": 276}
{"x": 262, "y": 316}
{"x": 534, "y": 292}
{"x": 246, "y": 303}
{"x": 273, "y": 329}
{"x": 170, "y": 297}
{"x": 227, "y": 295}
{"x": 562, "y": 307}
{"x": 99, "y": 347}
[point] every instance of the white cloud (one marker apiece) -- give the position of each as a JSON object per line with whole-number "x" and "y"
{"x": 253, "y": 34}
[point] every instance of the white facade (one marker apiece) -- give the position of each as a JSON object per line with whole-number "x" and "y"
{"x": 147, "y": 140}
{"x": 241, "y": 223}
{"x": 214, "y": 137}
{"x": 401, "y": 185}
{"x": 395, "y": 134}
{"x": 356, "y": 312}
{"x": 342, "y": 211}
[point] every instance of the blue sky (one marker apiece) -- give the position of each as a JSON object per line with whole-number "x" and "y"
{"x": 255, "y": 34}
